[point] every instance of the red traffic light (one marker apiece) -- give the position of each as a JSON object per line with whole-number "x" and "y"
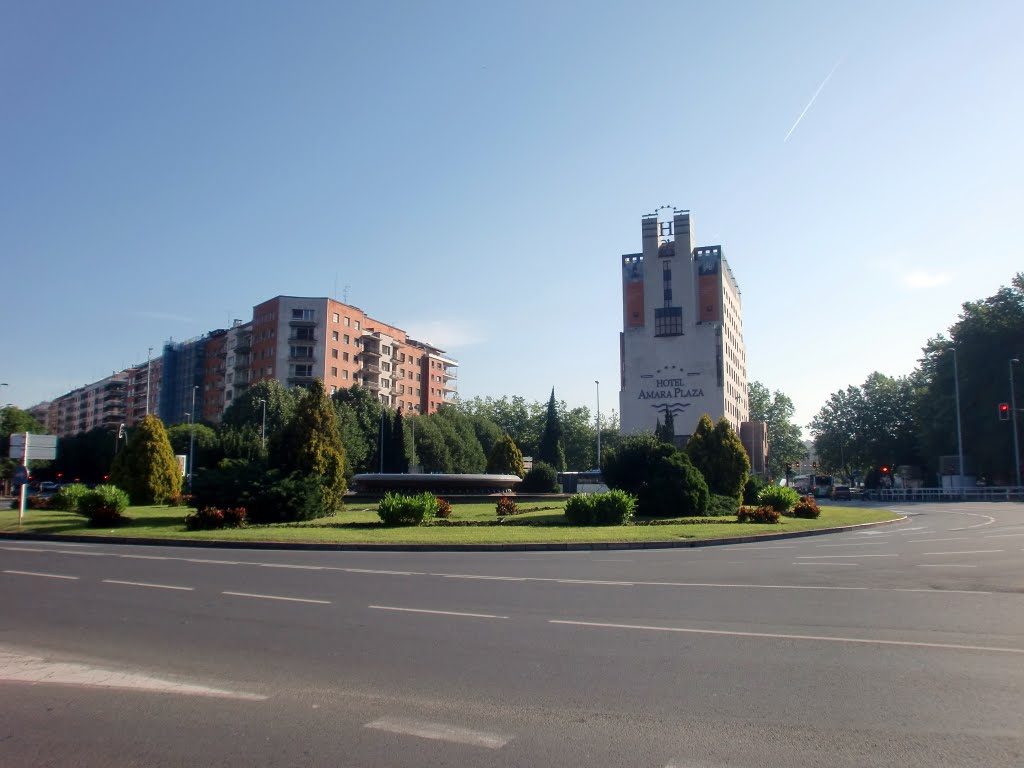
{"x": 884, "y": 470}
{"x": 1004, "y": 411}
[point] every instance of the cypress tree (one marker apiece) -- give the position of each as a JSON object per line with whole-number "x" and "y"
{"x": 396, "y": 460}
{"x": 550, "y": 449}
{"x": 146, "y": 468}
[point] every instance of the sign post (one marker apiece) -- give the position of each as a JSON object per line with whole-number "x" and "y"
{"x": 38, "y": 447}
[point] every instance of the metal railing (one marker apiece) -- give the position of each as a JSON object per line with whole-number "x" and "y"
{"x": 980, "y": 493}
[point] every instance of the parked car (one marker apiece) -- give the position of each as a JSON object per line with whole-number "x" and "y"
{"x": 842, "y": 492}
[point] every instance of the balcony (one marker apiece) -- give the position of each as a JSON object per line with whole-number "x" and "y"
{"x": 301, "y": 337}
{"x": 244, "y": 344}
{"x": 371, "y": 368}
{"x": 296, "y": 323}
{"x": 300, "y": 380}
{"x": 371, "y": 385}
{"x": 300, "y": 358}
{"x": 241, "y": 362}
{"x": 372, "y": 351}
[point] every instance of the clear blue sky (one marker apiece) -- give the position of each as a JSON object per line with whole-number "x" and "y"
{"x": 473, "y": 171}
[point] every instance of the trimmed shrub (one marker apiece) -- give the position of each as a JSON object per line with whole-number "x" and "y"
{"x": 541, "y": 479}
{"x": 806, "y": 508}
{"x": 104, "y": 505}
{"x": 779, "y": 497}
{"x": 146, "y": 468}
{"x": 579, "y": 509}
{"x": 444, "y": 509}
{"x": 68, "y": 496}
{"x": 751, "y": 489}
{"x": 211, "y": 518}
{"x": 505, "y": 458}
{"x": 757, "y": 515}
{"x": 611, "y": 508}
{"x": 675, "y": 489}
{"x": 288, "y": 499}
{"x": 722, "y": 506}
{"x": 180, "y": 500}
{"x": 399, "y": 509}
{"x": 506, "y": 507}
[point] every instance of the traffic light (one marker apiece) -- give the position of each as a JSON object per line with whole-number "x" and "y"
{"x": 1004, "y": 411}
{"x": 885, "y": 470}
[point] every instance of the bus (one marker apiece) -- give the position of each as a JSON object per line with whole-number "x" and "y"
{"x": 819, "y": 486}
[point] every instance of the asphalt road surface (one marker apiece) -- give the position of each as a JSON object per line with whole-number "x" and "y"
{"x": 896, "y": 645}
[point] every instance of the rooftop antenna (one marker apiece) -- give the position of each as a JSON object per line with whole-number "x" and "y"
{"x": 335, "y": 284}
{"x": 344, "y": 294}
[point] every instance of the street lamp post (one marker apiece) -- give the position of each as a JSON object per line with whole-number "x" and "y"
{"x": 959, "y": 434}
{"x": 263, "y": 427}
{"x": 191, "y": 438}
{"x": 1013, "y": 413}
{"x": 597, "y": 385}
{"x": 382, "y": 440}
{"x": 149, "y": 371}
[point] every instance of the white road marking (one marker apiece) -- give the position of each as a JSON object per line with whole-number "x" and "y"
{"x": 930, "y": 541}
{"x": 968, "y": 552}
{"x": 484, "y": 578}
{"x": 145, "y": 584}
{"x": 16, "y": 667}
{"x": 772, "y": 546}
{"x": 386, "y": 573}
{"x": 47, "y": 575}
{"x": 602, "y": 583}
{"x": 286, "y": 565}
{"x": 147, "y": 557}
{"x": 905, "y": 531}
{"x": 851, "y": 544}
{"x": 944, "y": 565}
{"x": 26, "y": 549}
{"x": 1001, "y": 535}
{"x": 439, "y": 613}
{"x": 278, "y": 597}
{"x": 212, "y": 562}
{"x": 78, "y": 552}
{"x": 774, "y": 636}
{"x": 610, "y": 560}
{"x": 822, "y": 557}
{"x": 439, "y": 732}
{"x": 851, "y": 565}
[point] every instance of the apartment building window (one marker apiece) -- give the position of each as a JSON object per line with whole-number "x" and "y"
{"x": 358, "y": 342}
{"x": 344, "y": 356}
{"x": 333, "y": 388}
{"x": 417, "y": 377}
{"x": 335, "y": 317}
{"x": 417, "y": 391}
{"x": 301, "y": 371}
{"x": 357, "y": 325}
{"x": 346, "y": 338}
{"x": 348, "y": 321}
{"x": 344, "y": 375}
{"x": 334, "y": 354}
{"x": 386, "y": 350}
{"x": 300, "y": 352}
{"x": 303, "y": 333}
{"x": 303, "y": 314}
{"x": 385, "y": 383}
{"x": 334, "y": 335}
{"x": 385, "y": 366}
{"x": 334, "y": 372}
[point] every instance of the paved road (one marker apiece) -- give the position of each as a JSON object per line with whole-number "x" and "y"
{"x": 899, "y": 645}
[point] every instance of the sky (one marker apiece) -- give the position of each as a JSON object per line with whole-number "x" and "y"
{"x": 472, "y": 172}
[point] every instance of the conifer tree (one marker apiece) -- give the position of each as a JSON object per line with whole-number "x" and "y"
{"x": 311, "y": 444}
{"x": 550, "y": 449}
{"x": 395, "y": 459}
{"x": 506, "y": 458}
{"x": 146, "y": 468}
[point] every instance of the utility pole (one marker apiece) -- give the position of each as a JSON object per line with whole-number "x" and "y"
{"x": 1013, "y": 413}
{"x": 263, "y": 428}
{"x": 959, "y": 435}
{"x": 192, "y": 438}
{"x": 597, "y": 384}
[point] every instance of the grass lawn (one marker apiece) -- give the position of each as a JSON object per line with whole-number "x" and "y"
{"x": 359, "y": 524}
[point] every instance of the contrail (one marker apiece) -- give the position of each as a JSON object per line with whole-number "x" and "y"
{"x": 823, "y": 82}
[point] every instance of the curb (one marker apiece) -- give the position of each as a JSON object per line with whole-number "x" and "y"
{"x": 526, "y": 547}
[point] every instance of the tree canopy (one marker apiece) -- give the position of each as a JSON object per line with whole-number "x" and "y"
{"x": 776, "y": 410}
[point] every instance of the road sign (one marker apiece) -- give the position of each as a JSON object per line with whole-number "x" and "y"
{"x": 39, "y": 447}
{"x": 20, "y": 474}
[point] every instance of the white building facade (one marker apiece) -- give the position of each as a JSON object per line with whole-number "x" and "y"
{"x": 681, "y": 348}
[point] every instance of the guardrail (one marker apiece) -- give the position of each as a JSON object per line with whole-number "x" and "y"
{"x": 981, "y": 493}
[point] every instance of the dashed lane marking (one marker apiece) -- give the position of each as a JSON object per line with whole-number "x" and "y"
{"x": 145, "y": 584}
{"x": 278, "y": 597}
{"x": 944, "y": 565}
{"x": 850, "y": 565}
{"x": 439, "y": 613}
{"x": 439, "y": 732}
{"x": 823, "y": 557}
{"x": 932, "y": 541}
{"x": 778, "y": 636}
{"x": 967, "y": 552}
{"x": 45, "y": 575}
